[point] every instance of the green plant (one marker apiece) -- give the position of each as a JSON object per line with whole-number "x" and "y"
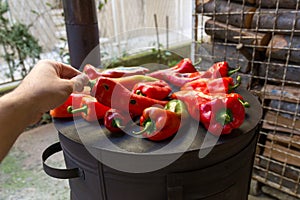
{"x": 164, "y": 56}
{"x": 101, "y": 4}
{"x": 18, "y": 43}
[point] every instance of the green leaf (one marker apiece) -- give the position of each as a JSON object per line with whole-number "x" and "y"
{"x": 34, "y": 12}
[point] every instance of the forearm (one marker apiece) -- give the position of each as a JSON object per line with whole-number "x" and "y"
{"x": 17, "y": 111}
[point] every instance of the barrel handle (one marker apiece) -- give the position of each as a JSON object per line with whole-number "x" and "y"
{"x": 59, "y": 173}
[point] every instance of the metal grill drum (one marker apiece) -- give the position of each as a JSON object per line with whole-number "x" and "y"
{"x": 100, "y": 171}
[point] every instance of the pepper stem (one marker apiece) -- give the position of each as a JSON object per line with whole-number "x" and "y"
{"x": 78, "y": 110}
{"x": 147, "y": 128}
{"x": 139, "y": 92}
{"x": 244, "y": 103}
{"x": 92, "y": 83}
{"x": 233, "y": 71}
{"x": 117, "y": 123}
{"x": 238, "y": 83}
{"x": 198, "y": 62}
{"x": 224, "y": 117}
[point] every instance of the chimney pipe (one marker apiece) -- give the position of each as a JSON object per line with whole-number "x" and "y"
{"x": 82, "y": 32}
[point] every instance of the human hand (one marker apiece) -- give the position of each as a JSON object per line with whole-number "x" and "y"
{"x": 49, "y": 84}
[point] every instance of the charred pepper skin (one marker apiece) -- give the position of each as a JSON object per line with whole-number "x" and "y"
{"x": 156, "y": 90}
{"x": 90, "y": 109}
{"x": 114, "y": 95}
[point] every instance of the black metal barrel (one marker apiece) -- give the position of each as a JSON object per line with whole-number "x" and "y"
{"x": 94, "y": 172}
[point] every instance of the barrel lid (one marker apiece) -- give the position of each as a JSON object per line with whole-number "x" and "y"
{"x": 191, "y": 138}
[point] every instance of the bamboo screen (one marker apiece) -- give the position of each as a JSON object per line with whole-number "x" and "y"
{"x": 263, "y": 38}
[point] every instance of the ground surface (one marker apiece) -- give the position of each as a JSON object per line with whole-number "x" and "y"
{"x": 21, "y": 173}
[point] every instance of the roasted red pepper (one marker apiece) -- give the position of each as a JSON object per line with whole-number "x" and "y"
{"x": 209, "y": 86}
{"x": 115, "y": 120}
{"x": 61, "y": 111}
{"x": 217, "y": 70}
{"x": 114, "y": 95}
{"x": 155, "y": 90}
{"x": 90, "y": 109}
{"x": 159, "y": 124}
{"x": 222, "y": 115}
{"x": 178, "y": 79}
{"x": 129, "y": 81}
{"x": 117, "y": 72}
{"x": 184, "y": 66}
{"x": 219, "y": 113}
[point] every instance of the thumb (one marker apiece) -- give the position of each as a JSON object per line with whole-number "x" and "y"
{"x": 80, "y": 81}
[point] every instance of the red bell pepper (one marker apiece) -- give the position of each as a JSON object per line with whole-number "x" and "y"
{"x": 155, "y": 90}
{"x": 73, "y": 100}
{"x": 115, "y": 120}
{"x": 219, "y": 113}
{"x": 178, "y": 79}
{"x": 217, "y": 70}
{"x": 217, "y": 85}
{"x": 184, "y": 66}
{"x": 129, "y": 81}
{"x": 222, "y": 115}
{"x": 117, "y": 72}
{"x": 114, "y": 95}
{"x": 90, "y": 109}
{"x": 161, "y": 123}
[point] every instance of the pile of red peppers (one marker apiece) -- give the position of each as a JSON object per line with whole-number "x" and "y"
{"x": 119, "y": 95}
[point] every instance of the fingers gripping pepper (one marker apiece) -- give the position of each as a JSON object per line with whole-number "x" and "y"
{"x": 155, "y": 90}
{"x": 114, "y": 95}
{"x": 91, "y": 71}
{"x": 90, "y": 109}
{"x": 159, "y": 124}
{"x": 115, "y": 120}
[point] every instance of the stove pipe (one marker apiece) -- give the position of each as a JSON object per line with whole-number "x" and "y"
{"x": 82, "y": 32}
